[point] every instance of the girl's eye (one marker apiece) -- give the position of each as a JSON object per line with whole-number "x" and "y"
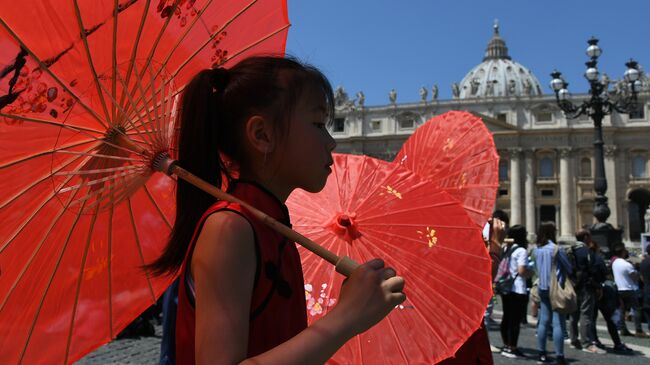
{"x": 320, "y": 125}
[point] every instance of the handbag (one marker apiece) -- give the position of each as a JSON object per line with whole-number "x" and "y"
{"x": 504, "y": 280}
{"x": 534, "y": 292}
{"x": 563, "y": 299}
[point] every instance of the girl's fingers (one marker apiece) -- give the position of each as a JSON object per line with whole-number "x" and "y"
{"x": 397, "y": 298}
{"x": 375, "y": 264}
{"x": 388, "y": 273}
{"x": 394, "y": 284}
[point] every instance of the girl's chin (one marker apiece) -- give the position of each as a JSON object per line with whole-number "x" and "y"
{"x": 315, "y": 187}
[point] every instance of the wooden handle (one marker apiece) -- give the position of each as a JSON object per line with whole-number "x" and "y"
{"x": 344, "y": 265}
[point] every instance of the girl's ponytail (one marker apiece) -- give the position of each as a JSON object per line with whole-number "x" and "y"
{"x": 198, "y": 124}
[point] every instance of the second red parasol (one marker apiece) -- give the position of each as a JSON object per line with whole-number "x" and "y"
{"x": 371, "y": 208}
{"x": 456, "y": 152}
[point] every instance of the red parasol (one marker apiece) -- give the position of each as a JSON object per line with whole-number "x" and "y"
{"x": 80, "y": 212}
{"x": 371, "y": 208}
{"x": 456, "y": 152}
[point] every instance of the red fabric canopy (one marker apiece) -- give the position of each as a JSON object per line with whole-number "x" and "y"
{"x": 79, "y": 213}
{"x": 372, "y": 208}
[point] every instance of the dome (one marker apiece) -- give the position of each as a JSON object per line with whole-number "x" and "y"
{"x": 498, "y": 75}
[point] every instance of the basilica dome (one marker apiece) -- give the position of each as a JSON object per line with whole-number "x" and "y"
{"x": 498, "y": 75}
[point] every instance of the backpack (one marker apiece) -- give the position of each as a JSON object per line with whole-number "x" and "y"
{"x": 571, "y": 255}
{"x": 504, "y": 280}
{"x": 563, "y": 299}
{"x": 579, "y": 277}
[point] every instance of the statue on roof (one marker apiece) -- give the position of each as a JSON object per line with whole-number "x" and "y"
{"x": 340, "y": 96}
{"x": 423, "y": 94}
{"x": 361, "y": 99}
{"x": 455, "y": 90}
{"x": 434, "y": 92}
{"x": 392, "y": 96}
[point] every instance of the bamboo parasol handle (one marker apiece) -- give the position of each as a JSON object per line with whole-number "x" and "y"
{"x": 344, "y": 265}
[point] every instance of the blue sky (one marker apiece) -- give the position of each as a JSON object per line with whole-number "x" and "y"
{"x": 376, "y": 45}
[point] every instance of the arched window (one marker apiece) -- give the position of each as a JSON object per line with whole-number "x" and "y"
{"x": 546, "y": 167}
{"x": 638, "y": 166}
{"x": 503, "y": 170}
{"x": 585, "y": 167}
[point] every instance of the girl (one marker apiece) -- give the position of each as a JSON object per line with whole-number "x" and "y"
{"x": 241, "y": 294}
{"x": 543, "y": 263}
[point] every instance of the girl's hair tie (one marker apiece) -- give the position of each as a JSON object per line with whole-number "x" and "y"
{"x": 219, "y": 79}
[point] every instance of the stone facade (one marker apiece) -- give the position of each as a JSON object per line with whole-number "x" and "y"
{"x": 547, "y": 160}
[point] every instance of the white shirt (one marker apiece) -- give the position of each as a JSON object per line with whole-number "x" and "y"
{"x": 622, "y": 270}
{"x": 518, "y": 258}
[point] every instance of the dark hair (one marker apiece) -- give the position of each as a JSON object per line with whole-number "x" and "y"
{"x": 518, "y": 233}
{"x": 582, "y": 235}
{"x": 214, "y": 107}
{"x": 619, "y": 250}
{"x": 502, "y": 216}
{"x": 546, "y": 232}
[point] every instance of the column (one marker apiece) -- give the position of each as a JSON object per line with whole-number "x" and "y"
{"x": 567, "y": 208}
{"x": 515, "y": 186}
{"x": 529, "y": 191}
{"x": 612, "y": 187}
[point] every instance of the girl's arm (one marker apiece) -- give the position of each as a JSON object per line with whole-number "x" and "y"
{"x": 223, "y": 268}
{"x": 522, "y": 263}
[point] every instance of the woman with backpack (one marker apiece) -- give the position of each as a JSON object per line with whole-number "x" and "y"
{"x": 514, "y": 301}
{"x": 545, "y": 254}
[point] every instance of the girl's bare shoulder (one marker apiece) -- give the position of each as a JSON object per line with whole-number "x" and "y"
{"x": 224, "y": 235}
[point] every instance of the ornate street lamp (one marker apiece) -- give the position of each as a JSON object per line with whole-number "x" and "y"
{"x": 597, "y": 106}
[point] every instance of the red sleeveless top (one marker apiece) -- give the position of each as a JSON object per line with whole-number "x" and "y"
{"x": 278, "y": 310}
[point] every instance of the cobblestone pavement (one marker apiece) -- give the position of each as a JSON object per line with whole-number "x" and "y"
{"x": 146, "y": 350}
{"x": 528, "y": 345}
{"x": 140, "y": 351}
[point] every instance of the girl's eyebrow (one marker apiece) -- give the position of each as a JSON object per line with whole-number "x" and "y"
{"x": 319, "y": 108}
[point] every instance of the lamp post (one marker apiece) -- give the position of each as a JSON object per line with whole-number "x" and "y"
{"x": 599, "y": 104}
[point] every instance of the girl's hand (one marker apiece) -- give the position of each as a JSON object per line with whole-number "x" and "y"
{"x": 368, "y": 295}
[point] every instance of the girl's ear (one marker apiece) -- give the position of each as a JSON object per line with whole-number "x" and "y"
{"x": 260, "y": 134}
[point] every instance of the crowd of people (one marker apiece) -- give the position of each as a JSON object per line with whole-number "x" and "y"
{"x": 616, "y": 287}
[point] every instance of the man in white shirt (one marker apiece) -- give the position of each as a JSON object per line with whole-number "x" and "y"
{"x": 627, "y": 282}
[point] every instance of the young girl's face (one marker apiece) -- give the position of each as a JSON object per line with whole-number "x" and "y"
{"x": 305, "y": 154}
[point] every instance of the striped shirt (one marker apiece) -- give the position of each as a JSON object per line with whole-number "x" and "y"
{"x": 543, "y": 257}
